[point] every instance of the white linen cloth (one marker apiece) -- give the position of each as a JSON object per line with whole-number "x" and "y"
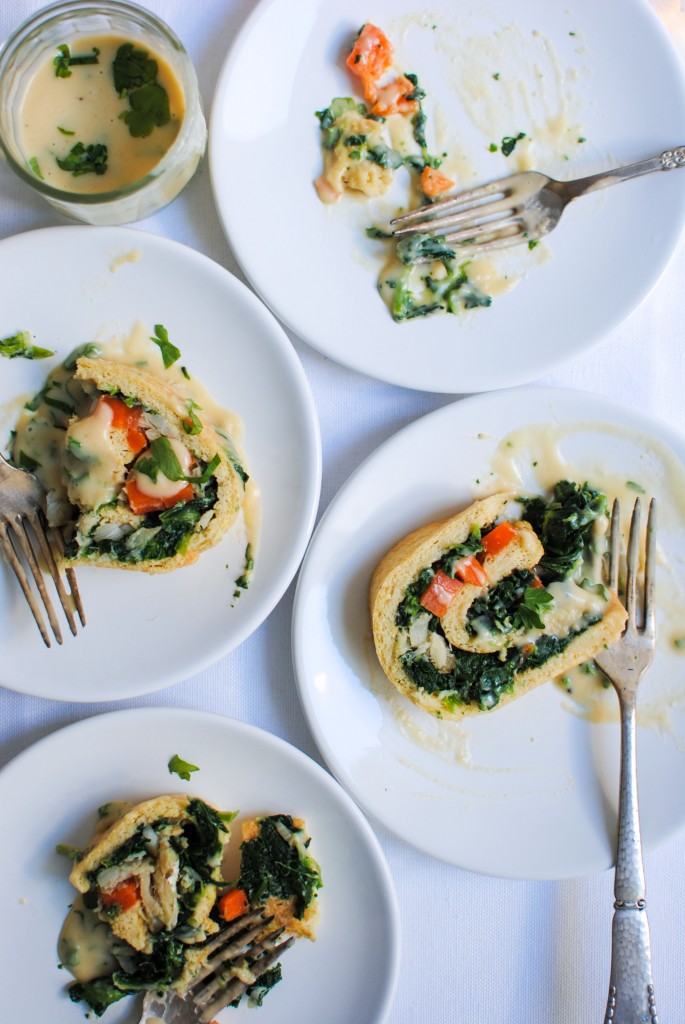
{"x": 475, "y": 949}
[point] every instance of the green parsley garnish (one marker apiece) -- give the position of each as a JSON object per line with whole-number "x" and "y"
{"x": 509, "y": 143}
{"x": 169, "y": 351}
{"x": 64, "y": 131}
{"x": 35, "y": 167}
{"x": 135, "y": 76}
{"x": 64, "y": 60}
{"x": 20, "y": 345}
{"x": 536, "y": 601}
{"x": 635, "y": 487}
{"x": 82, "y": 159}
{"x": 177, "y": 766}
{"x": 193, "y": 425}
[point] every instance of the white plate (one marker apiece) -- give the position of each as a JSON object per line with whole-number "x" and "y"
{"x": 314, "y": 266}
{"x": 50, "y": 795}
{"x": 529, "y": 791}
{"x": 145, "y": 632}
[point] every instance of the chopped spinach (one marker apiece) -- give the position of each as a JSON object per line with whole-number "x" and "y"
{"x": 564, "y": 526}
{"x": 169, "y": 351}
{"x": 64, "y": 61}
{"x": 177, "y": 766}
{"x": 272, "y": 865}
{"x": 509, "y": 143}
{"x": 419, "y": 247}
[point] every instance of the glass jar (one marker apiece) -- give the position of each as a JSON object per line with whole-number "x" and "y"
{"x": 75, "y": 24}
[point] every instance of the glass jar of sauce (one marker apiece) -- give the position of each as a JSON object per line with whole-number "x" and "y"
{"x": 100, "y": 111}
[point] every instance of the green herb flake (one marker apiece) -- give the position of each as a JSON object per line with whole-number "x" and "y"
{"x": 20, "y": 345}
{"x": 82, "y": 159}
{"x": 679, "y": 643}
{"x": 193, "y": 424}
{"x": 177, "y": 766}
{"x": 509, "y": 143}
{"x": 149, "y": 109}
{"x": 493, "y": 147}
{"x": 64, "y": 131}
{"x": 35, "y": 167}
{"x": 64, "y": 61}
{"x": 533, "y": 242}
{"x": 496, "y": 76}
{"x": 169, "y": 351}
{"x": 635, "y": 487}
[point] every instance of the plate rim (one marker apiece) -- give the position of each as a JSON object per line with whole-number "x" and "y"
{"x": 255, "y": 734}
{"x": 312, "y": 481}
{"x": 305, "y": 691}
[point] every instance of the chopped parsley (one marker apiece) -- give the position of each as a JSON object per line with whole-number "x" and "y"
{"x": 35, "y": 167}
{"x": 135, "y": 77}
{"x": 20, "y": 345}
{"x": 509, "y": 143}
{"x": 177, "y": 766}
{"x": 64, "y": 61}
{"x": 82, "y": 159}
{"x": 169, "y": 351}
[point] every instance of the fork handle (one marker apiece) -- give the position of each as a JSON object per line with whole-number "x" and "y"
{"x": 631, "y": 991}
{"x": 666, "y": 161}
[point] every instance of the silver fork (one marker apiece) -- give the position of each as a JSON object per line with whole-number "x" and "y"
{"x": 521, "y": 208}
{"x": 631, "y": 991}
{"x": 24, "y": 533}
{"x": 241, "y": 944}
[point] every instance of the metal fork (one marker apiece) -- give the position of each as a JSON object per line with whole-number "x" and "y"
{"x": 521, "y": 208}
{"x": 631, "y": 991}
{"x": 242, "y": 944}
{"x": 24, "y": 532}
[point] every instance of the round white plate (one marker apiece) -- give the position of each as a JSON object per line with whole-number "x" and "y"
{"x": 50, "y": 795}
{"x": 314, "y": 265}
{"x": 69, "y": 285}
{"x": 530, "y": 790}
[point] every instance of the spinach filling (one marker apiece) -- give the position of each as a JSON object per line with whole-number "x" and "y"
{"x": 482, "y": 678}
{"x": 272, "y": 865}
{"x": 199, "y": 850}
{"x": 161, "y": 534}
{"x": 564, "y": 526}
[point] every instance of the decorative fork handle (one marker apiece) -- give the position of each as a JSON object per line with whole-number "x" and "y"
{"x": 666, "y": 161}
{"x": 631, "y": 991}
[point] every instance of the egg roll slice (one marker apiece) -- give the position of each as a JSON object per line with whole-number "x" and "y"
{"x": 451, "y": 671}
{"x": 156, "y": 870}
{"x": 134, "y": 511}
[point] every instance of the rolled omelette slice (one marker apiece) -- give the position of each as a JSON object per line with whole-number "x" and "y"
{"x": 154, "y": 870}
{"x": 451, "y": 662}
{"x": 154, "y": 483}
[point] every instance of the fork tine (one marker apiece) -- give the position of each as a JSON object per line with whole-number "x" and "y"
{"x": 24, "y": 537}
{"x": 615, "y": 546}
{"x": 470, "y": 196}
{"x": 223, "y": 994}
{"x": 71, "y": 579}
{"x": 39, "y": 530}
{"x": 475, "y": 215}
{"x": 632, "y": 564}
{"x": 649, "y": 627}
{"x": 18, "y": 569}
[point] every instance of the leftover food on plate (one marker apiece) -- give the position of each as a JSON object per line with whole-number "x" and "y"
{"x": 151, "y": 893}
{"x": 139, "y": 469}
{"x": 363, "y": 145}
{"x": 476, "y": 610}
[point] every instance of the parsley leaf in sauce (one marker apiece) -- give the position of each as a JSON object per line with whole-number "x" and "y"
{"x": 135, "y": 76}
{"x": 82, "y": 159}
{"x": 64, "y": 61}
{"x": 509, "y": 143}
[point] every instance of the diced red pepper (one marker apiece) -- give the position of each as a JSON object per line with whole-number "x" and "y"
{"x": 392, "y": 99}
{"x": 126, "y": 418}
{"x": 440, "y": 592}
{"x": 471, "y": 571}
{"x": 370, "y": 57}
{"x": 434, "y": 183}
{"x": 499, "y": 538}
{"x": 125, "y": 895}
{"x": 536, "y": 583}
{"x": 142, "y": 503}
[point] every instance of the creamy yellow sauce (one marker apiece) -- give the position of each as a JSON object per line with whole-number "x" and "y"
{"x": 56, "y": 113}
{"x": 85, "y": 945}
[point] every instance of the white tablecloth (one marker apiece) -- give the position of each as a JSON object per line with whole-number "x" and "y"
{"x": 474, "y": 948}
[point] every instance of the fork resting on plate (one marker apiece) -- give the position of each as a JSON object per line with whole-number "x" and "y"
{"x": 25, "y": 539}
{"x": 521, "y": 208}
{"x": 235, "y": 958}
{"x": 631, "y": 991}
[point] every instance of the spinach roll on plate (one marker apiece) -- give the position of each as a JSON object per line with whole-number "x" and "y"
{"x": 475, "y": 610}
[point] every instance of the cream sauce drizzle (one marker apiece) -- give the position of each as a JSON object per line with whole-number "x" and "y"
{"x": 85, "y": 944}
